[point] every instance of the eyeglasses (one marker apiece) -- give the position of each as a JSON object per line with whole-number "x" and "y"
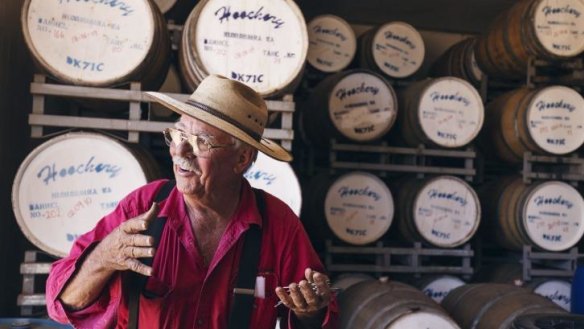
{"x": 201, "y": 145}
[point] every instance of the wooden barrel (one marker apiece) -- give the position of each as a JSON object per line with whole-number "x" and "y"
{"x": 66, "y": 184}
{"x": 261, "y": 43}
{"x": 544, "y": 120}
{"x": 443, "y": 211}
{"x": 356, "y": 105}
{"x": 555, "y": 289}
{"x": 98, "y": 43}
{"x": 494, "y": 306}
{"x": 546, "y": 215}
{"x": 437, "y": 287}
{"x": 277, "y": 178}
{"x": 332, "y": 43}
{"x": 446, "y": 112}
{"x": 171, "y": 84}
{"x": 375, "y": 304}
{"x": 346, "y": 280}
{"x": 459, "y": 61}
{"x": 549, "y": 321}
{"x": 546, "y": 29}
{"x": 395, "y": 49}
{"x": 359, "y": 208}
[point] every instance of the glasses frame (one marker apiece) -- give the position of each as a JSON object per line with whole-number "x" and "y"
{"x": 192, "y": 140}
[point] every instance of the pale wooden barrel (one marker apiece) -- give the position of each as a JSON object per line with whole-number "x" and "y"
{"x": 358, "y": 208}
{"x": 374, "y": 304}
{"x": 446, "y": 112}
{"x": 277, "y": 178}
{"x": 100, "y": 44}
{"x": 546, "y": 215}
{"x": 544, "y": 120}
{"x": 261, "y": 43}
{"x": 355, "y": 105}
{"x": 396, "y": 49}
{"x": 557, "y": 290}
{"x": 546, "y": 29}
{"x": 66, "y": 184}
{"x": 459, "y": 61}
{"x": 437, "y": 287}
{"x": 443, "y": 211}
{"x": 332, "y": 43}
{"x": 494, "y": 306}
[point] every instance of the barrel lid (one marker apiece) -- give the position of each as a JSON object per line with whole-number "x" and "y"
{"x": 446, "y": 211}
{"x": 359, "y": 208}
{"x": 332, "y": 43}
{"x": 65, "y": 185}
{"x": 557, "y": 290}
{"x": 559, "y": 26}
{"x": 398, "y": 49}
{"x": 440, "y": 286}
{"x": 556, "y": 119}
{"x": 549, "y": 321}
{"x": 427, "y": 319}
{"x": 451, "y": 112}
{"x": 261, "y": 43}
{"x": 89, "y": 42}
{"x": 553, "y": 215}
{"x": 277, "y": 178}
{"x": 362, "y": 106}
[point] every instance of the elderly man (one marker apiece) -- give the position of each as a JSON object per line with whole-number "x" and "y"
{"x": 224, "y": 255}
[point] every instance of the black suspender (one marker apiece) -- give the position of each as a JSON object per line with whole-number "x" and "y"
{"x": 243, "y": 294}
{"x": 138, "y": 281}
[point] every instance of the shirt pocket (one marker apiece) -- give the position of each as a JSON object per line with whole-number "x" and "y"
{"x": 266, "y": 297}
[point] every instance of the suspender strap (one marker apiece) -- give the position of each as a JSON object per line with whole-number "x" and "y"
{"x": 243, "y": 294}
{"x": 138, "y": 281}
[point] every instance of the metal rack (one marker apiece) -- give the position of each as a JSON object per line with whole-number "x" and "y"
{"x": 402, "y": 159}
{"x": 383, "y": 259}
{"x": 34, "y": 273}
{"x": 567, "y": 168}
{"x": 549, "y": 264}
{"x": 133, "y": 124}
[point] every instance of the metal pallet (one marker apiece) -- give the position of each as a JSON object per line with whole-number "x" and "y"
{"x": 549, "y": 264}
{"x": 386, "y": 159}
{"x": 567, "y": 168}
{"x": 33, "y": 273}
{"x": 134, "y": 124}
{"x": 415, "y": 260}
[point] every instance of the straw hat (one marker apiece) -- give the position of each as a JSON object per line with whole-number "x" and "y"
{"x": 230, "y": 106}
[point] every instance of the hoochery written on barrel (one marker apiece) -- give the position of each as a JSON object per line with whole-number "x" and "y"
{"x": 437, "y": 287}
{"x": 261, "y": 43}
{"x": 543, "y": 120}
{"x": 443, "y": 211}
{"x": 545, "y": 29}
{"x": 356, "y": 105}
{"x": 395, "y": 49}
{"x": 446, "y": 112}
{"x": 66, "y": 184}
{"x": 332, "y": 43}
{"x": 374, "y": 304}
{"x": 493, "y": 305}
{"x": 98, "y": 43}
{"x": 277, "y": 178}
{"x": 546, "y": 215}
{"x": 556, "y": 290}
{"x": 359, "y": 208}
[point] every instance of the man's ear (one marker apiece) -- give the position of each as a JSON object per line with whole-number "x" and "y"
{"x": 245, "y": 159}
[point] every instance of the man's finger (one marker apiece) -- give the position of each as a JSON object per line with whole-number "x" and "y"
{"x": 138, "y": 252}
{"x": 138, "y": 267}
{"x": 141, "y": 222}
{"x": 284, "y": 297}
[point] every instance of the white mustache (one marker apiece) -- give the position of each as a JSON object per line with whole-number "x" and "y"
{"x": 185, "y": 163}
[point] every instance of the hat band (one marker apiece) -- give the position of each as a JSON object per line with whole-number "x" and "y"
{"x": 224, "y": 117}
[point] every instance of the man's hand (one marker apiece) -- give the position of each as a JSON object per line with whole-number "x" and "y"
{"x": 309, "y": 297}
{"x": 121, "y": 249}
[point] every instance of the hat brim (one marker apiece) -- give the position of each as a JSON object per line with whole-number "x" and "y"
{"x": 264, "y": 145}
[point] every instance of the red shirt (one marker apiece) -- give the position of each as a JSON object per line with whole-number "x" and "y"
{"x": 193, "y": 295}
